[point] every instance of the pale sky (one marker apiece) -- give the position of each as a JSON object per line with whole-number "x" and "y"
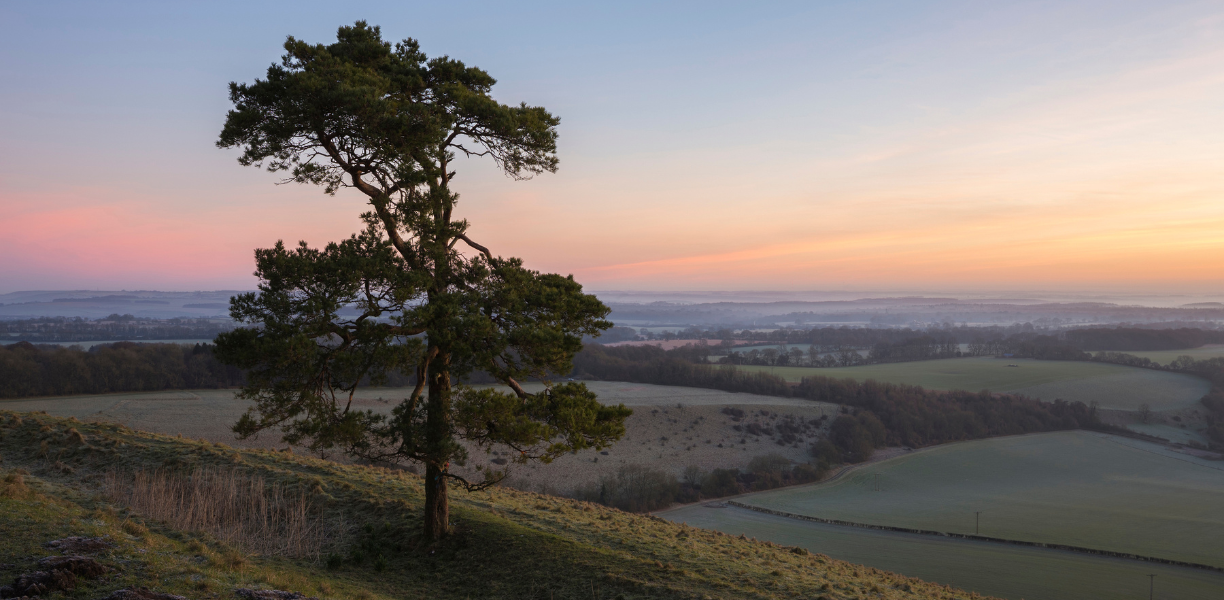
{"x": 811, "y": 145}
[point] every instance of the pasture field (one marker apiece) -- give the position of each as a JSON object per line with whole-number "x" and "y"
{"x": 804, "y": 347}
{"x": 671, "y": 428}
{"x": 1001, "y": 570}
{"x": 191, "y": 411}
{"x": 1112, "y": 386}
{"x": 745, "y": 349}
{"x": 1075, "y": 488}
{"x": 1165, "y": 357}
{"x": 1171, "y": 432}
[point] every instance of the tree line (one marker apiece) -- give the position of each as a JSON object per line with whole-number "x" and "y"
{"x": 45, "y": 370}
{"x": 878, "y": 414}
{"x": 635, "y": 488}
{"x": 51, "y": 370}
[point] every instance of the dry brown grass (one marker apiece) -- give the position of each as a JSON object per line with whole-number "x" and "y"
{"x": 13, "y": 485}
{"x": 240, "y": 510}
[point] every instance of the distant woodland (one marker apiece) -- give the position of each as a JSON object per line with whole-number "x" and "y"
{"x": 847, "y": 347}
{"x": 827, "y": 339}
{"x": 882, "y": 415}
{"x": 910, "y": 416}
{"x": 29, "y": 370}
{"x": 114, "y": 327}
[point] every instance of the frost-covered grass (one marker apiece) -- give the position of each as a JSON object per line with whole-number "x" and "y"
{"x": 1075, "y": 488}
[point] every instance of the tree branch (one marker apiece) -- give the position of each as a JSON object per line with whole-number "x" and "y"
{"x": 518, "y": 389}
{"x": 469, "y": 242}
{"x": 377, "y": 199}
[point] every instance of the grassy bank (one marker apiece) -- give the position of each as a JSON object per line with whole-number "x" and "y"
{"x": 507, "y": 544}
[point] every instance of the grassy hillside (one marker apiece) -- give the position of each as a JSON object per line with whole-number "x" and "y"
{"x": 1074, "y": 488}
{"x": 1113, "y": 386}
{"x": 62, "y": 477}
{"x": 697, "y": 432}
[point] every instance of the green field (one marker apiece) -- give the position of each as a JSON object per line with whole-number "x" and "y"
{"x": 1076, "y": 488}
{"x": 1165, "y": 357}
{"x": 1013, "y": 572}
{"x": 211, "y": 413}
{"x": 1113, "y": 386}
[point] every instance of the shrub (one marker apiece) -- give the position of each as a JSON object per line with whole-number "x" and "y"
{"x": 721, "y": 482}
{"x": 852, "y": 439}
{"x": 633, "y": 488}
{"x": 769, "y": 463}
{"x": 334, "y": 561}
{"x": 824, "y": 451}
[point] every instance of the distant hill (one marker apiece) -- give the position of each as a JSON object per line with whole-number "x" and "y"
{"x": 97, "y": 304}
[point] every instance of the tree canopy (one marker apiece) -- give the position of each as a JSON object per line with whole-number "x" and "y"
{"x": 403, "y": 295}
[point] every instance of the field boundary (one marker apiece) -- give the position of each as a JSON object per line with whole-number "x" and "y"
{"x": 977, "y": 538}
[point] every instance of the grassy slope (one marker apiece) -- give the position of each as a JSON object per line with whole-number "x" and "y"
{"x": 1113, "y": 386}
{"x": 1075, "y": 488}
{"x": 508, "y": 544}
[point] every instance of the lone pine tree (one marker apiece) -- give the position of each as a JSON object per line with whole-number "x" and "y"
{"x": 403, "y": 295}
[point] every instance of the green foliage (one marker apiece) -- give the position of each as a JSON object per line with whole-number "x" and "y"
{"x": 402, "y": 296}
{"x": 568, "y": 417}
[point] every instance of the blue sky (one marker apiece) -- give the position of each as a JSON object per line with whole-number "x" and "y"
{"x": 816, "y": 145}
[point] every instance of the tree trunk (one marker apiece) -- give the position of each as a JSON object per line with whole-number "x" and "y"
{"x": 437, "y": 507}
{"x": 437, "y": 442}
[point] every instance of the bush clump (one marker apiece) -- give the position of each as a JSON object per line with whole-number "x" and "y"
{"x": 633, "y": 488}
{"x": 636, "y": 488}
